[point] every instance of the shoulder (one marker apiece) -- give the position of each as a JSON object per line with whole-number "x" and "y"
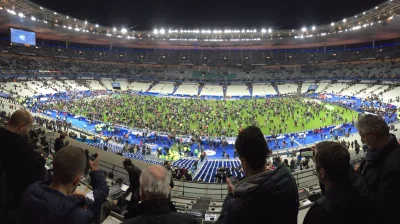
{"x": 79, "y": 216}
{"x": 316, "y": 214}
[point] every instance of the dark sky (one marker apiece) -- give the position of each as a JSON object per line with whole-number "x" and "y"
{"x": 209, "y": 14}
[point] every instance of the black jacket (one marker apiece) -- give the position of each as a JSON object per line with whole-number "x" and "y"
{"x": 43, "y": 205}
{"x": 380, "y": 179}
{"x": 342, "y": 204}
{"x": 134, "y": 175}
{"x": 58, "y": 144}
{"x": 20, "y": 164}
{"x": 158, "y": 211}
{"x": 271, "y": 196}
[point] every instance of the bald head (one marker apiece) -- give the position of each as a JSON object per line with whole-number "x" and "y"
{"x": 21, "y": 122}
{"x": 154, "y": 182}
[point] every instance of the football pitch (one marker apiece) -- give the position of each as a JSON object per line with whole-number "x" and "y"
{"x": 212, "y": 117}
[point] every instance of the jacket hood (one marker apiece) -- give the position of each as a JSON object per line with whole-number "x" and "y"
{"x": 274, "y": 183}
{"x": 47, "y": 205}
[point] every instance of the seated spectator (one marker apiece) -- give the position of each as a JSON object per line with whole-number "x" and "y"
{"x": 380, "y": 172}
{"x": 262, "y": 195}
{"x": 20, "y": 165}
{"x": 155, "y": 206}
{"x": 58, "y": 201}
{"x": 342, "y": 202}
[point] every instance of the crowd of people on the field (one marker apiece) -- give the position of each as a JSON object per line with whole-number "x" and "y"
{"x": 370, "y": 188}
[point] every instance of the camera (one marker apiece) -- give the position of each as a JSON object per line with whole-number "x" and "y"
{"x": 93, "y": 157}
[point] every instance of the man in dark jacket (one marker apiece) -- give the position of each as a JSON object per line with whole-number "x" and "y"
{"x": 59, "y": 143}
{"x": 155, "y": 206}
{"x": 262, "y": 195}
{"x": 58, "y": 201}
{"x": 380, "y": 171}
{"x": 134, "y": 175}
{"x": 342, "y": 202}
{"x": 19, "y": 164}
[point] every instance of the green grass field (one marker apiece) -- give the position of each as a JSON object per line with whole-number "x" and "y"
{"x": 166, "y": 114}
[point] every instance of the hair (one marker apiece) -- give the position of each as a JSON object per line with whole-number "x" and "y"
{"x": 252, "y": 146}
{"x": 19, "y": 117}
{"x": 372, "y": 123}
{"x": 333, "y": 158}
{"x": 127, "y": 162}
{"x": 155, "y": 181}
{"x": 68, "y": 163}
{"x": 166, "y": 162}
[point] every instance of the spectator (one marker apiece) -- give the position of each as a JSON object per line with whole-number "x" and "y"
{"x": 246, "y": 202}
{"x": 167, "y": 165}
{"x": 58, "y": 201}
{"x": 59, "y": 143}
{"x": 342, "y": 202}
{"x": 134, "y": 175}
{"x": 16, "y": 178}
{"x": 380, "y": 172}
{"x": 155, "y": 206}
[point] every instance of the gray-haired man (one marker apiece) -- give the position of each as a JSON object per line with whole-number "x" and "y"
{"x": 155, "y": 205}
{"x": 380, "y": 171}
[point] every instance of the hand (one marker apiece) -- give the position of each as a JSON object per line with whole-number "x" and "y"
{"x": 94, "y": 165}
{"x": 313, "y": 148}
{"x": 230, "y": 187}
{"x": 356, "y": 167}
{"x": 79, "y": 193}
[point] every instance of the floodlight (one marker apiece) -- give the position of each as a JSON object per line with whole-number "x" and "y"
{"x": 115, "y": 29}
{"x": 332, "y": 24}
{"x": 20, "y": 14}
{"x": 269, "y": 30}
{"x": 376, "y": 7}
{"x": 313, "y": 28}
{"x": 33, "y": 18}
{"x": 97, "y": 25}
{"x": 363, "y": 13}
{"x": 162, "y": 31}
{"x": 41, "y": 7}
{"x": 124, "y": 30}
{"x": 155, "y": 31}
{"x": 85, "y": 22}
{"x": 303, "y": 29}
{"x": 67, "y": 17}
{"x": 344, "y": 20}
{"x": 55, "y": 13}
{"x": 263, "y": 30}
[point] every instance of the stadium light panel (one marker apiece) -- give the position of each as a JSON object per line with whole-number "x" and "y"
{"x": 124, "y": 30}
{"x": 97, "y": 25}
{"x": 363, "y": 13}
{"x": 344, "y": 20}
{"x": 85, "y": 22}
{"x": 155, "y": 31}
{"x": 162, "y": 31}
{"x": 21, "y": 15}
{"x": 377, "y": 7}
{"x": 303, "y": 29}
{"x": 263, "y": 30}
{"x": 33, "y": 18}
{"x": 115, "y": 29}
{"x": 269, "y": 30}
{"x": 332, "y": 24}
{"x": 313, "y": 28}
{"x": 41, "y": 7}
{"x": 67, "y": 17}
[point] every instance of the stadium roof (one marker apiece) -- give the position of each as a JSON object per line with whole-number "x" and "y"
{"x": 381, "y": 22}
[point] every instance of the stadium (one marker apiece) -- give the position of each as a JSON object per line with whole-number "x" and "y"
{"x": 184, "y": 94}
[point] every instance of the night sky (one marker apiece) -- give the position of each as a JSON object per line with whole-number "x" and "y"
{"x": 209, "y": 14}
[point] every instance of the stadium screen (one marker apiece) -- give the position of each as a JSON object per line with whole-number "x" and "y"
{"x": 312, "y": 87}
{"x": 116, "y": 85}
{"x": 23, "y": 37}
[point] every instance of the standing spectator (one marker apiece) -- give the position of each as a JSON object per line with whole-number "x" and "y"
{"x": 246, "y": 202}
{"x": 342, "y": 202}
{"x": 59, "y": 143}
{"x": 134, "y": 175}
{"x": 16, "y": 178}
{"x": 381, "y": 170}
{"x": 59, "y": 201}
{"x": 155, "y": 206}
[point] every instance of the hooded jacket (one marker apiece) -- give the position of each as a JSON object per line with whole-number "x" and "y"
{"x": 42, "y": 205}
{"x": 21, "y": 165}
{"x": 271, "y": 196}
